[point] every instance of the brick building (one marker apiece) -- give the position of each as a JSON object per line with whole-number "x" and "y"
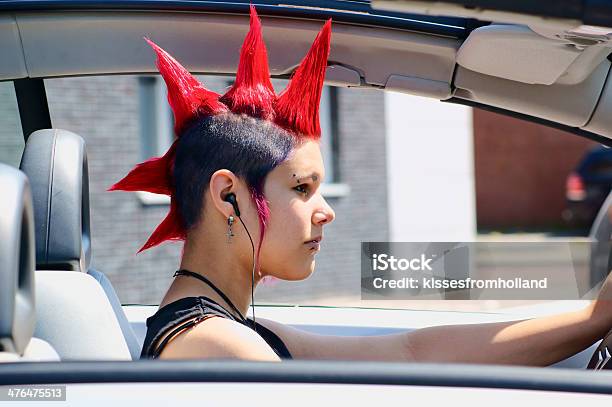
{"x": 521, "y": 169}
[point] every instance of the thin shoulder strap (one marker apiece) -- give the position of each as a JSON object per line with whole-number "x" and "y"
{"x": 184, "y": 272}
{"x": 158, "y": 349}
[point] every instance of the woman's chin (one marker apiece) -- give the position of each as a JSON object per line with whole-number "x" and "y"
{"x": 291, "y": 270}
{"x": 300, "y": 274}
{"x": 309, "y": 271}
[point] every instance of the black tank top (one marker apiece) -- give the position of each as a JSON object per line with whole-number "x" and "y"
{"x": 172, "y": 318}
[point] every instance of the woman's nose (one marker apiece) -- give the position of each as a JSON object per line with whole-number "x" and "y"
{"x": 324, "y": 215}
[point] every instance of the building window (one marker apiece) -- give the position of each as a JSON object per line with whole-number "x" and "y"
{"x": 329, "y": 135}
{"x": 11, "y": 135}
{"x": 157, "y": 124}
{"x": 156, "y": 119}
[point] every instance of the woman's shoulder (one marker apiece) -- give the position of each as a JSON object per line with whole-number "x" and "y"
{"x": 217, "y": 337}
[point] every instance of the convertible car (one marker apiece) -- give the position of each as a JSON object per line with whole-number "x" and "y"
{"x": 61, "y": 322}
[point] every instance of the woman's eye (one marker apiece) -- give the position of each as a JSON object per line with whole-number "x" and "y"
{"x": 302, "y": 188}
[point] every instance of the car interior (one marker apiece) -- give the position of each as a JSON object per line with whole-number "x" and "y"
{"x": 55, "y": 307}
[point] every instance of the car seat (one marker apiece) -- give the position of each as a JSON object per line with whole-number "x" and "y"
{"x": 81, "y": 314}
{"x": 17, "y": 304}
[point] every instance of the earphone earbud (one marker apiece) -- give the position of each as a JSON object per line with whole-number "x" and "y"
{"x": 231, "y": 198}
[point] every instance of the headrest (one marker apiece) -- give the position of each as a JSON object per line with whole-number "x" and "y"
{"x": 17, "y": 312}
{"x": 55, "y": 161}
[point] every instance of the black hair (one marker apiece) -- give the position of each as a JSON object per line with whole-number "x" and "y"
{"x": 247, "y": 146}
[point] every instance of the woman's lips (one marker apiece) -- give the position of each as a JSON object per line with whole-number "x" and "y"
{"x": 314, "y": 244}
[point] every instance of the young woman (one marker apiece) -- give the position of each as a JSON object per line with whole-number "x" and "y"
{"x": 244, "y": 176}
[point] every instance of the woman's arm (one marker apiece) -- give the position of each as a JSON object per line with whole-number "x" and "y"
{"x": 307, "y": 345}
{"x": 536, "y": 342}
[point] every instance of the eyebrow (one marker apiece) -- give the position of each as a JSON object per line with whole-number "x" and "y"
{"x": 315, "y": 176}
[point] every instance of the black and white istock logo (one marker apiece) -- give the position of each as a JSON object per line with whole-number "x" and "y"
{"x": 474, "y": 270}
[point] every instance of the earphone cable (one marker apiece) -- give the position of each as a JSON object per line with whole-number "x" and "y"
{"x": 252, "y": 274}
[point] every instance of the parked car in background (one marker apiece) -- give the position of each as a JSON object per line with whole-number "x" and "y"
{"x": 588, "y": 186}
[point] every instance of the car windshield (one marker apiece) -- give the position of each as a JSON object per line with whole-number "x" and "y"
{"x": 420, "y": 188}
{"x": 399, "y": 168}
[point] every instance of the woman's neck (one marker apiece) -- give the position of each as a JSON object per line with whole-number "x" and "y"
{"x": 226, "y": 271}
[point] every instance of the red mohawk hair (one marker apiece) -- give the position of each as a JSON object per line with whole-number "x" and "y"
{"x": 252, "y": 92}
{"x": 296, "y": 110}
{"x": 187, "y": 97}
{"x": 297, "y": 107}
{"x": 171, "y": 228}
{"x": 153, "y": 175}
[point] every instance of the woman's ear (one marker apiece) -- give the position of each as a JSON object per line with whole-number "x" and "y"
{"x": 222, "y": 182}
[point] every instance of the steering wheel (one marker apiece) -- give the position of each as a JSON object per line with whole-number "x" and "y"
{"x": 602, "y": 358}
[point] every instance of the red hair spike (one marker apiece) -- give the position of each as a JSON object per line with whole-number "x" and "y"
{"x": 169, "y": 229}
{"x": 187, "y": 97}
{"x": 153, "y": 175}
{"x": 297, "y": 107}
{"x": 252, "y": 92}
